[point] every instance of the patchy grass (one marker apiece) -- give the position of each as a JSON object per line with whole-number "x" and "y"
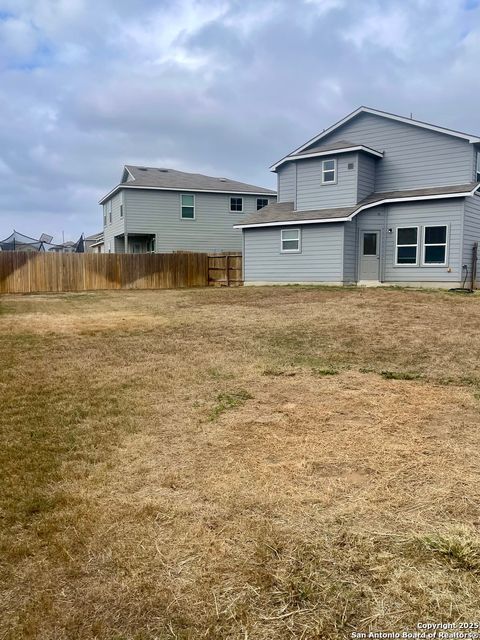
{"x": 238, "y": 463}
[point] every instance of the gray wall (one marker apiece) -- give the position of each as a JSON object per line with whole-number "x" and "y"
{"x": 471, "y": 231}
{"x": 414, "y": 157}
{"x": 366, "y": 175}
{"x": 158, "y": 213}
{"x": 312, "y": 194}
{"x": 117, "y": 226}
{"x": 286, "y": 182}
{"x": 321, "y": 258}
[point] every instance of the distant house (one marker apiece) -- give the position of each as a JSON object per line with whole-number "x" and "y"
{"x": 165, "y": 210}
{"x": 374, "y": 198}
{"x": 94, "y": 243}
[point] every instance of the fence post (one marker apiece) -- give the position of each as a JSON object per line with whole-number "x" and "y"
{"x": 227, "y": 270}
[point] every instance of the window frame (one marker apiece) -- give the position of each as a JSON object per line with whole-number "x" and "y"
{"x": 477, "y": 166}
{"x": 110, "y": 211}
{"x": 105, "y": 212}
{"x": 265, "y": 205}
{"x": 182, "y": 217}
{"x": 121, "y": 204}
{"x": 299, "y": 232}
{"x": 434, "y": 244}
{"x": 236, "y": 210}
{"x": 417, "y": 246}
{"x": 334, "y": 181}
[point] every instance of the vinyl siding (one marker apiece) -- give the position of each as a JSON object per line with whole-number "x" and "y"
{"x": 471, "y": 231}
{"x": 158, "y": 213}
{"x": 350, "y": 252}
{"x": 287, "y": 182}
{"x": 117, "y": 226}
{"x": 312, "y": 194}
{"x": 365, "y": 176}
{"x": 438, "y": 212}
{"x": 321, "y": 258}
{"x": 414, "y": 157}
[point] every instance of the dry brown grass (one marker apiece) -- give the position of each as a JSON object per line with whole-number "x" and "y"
{"x": 247, "y": 463}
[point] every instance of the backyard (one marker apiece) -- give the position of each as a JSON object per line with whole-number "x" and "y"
{"x": 254, "y": 463}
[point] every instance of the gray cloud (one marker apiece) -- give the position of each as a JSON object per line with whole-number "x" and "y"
{"x": 223, "y": 87}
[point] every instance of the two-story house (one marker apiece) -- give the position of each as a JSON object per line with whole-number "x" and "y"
{"x": 165, "y": 210}
{"x": 375, "y": 198}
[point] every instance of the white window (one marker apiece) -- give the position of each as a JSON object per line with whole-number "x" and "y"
{"x": 435, "y": 245}
{"x": 121, "y": 204}
{"x": 236, "y": 204}
{"x": 187, "y": 206}
{"x": 406, "y": 251}
{"x": 110, "y": 211}
{"x": 478, "y": 165}
{"x": 290, "y": 240}
{"x": 261, "y": 202}
{"x": 104, "y": 215}
{"x": 329, "y": 171}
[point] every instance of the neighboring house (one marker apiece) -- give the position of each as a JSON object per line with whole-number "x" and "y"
{"x": 375, "y": 198}
{"x": 94, "y": 243}
{"x": 165, "y": 210}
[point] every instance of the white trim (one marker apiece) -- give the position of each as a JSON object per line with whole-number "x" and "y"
{"x": 124, "y": 185}
{"x": 417, "y": 246}
{"x": 324, "y": 171}
{"x": 97, "y": 244}
{"x": 182, "y": 206}
{"x": 463, "y": 194}
{"x": 236, "y": 210}
{"x": 435, "y": 244}
{"x": 390, "y": 116}
{"x": 317, "y": 154}
{"x": 299, "y": 240}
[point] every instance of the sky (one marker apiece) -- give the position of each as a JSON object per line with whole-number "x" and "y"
{"x": 221, "y": 87}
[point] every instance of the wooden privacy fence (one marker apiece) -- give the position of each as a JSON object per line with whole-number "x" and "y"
{"x": 225, "y": 269}
{"x": 27, "y": 272}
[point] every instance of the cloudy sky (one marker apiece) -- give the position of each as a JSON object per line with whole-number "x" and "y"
{"x": 219, "y": 87}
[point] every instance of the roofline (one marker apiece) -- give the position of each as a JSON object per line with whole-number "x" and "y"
{"x": 180, "y": 190}
{"x": 315, "y": 154}
{"x": 384, "y": 114}
{"x": 369, "y": 205}
{"x": 97, "y": 244}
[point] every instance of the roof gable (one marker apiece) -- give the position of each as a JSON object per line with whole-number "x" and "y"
{"x": 381, "y": 114}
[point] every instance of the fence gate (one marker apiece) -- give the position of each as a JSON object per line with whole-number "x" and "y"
{"x": 225, "y": 270}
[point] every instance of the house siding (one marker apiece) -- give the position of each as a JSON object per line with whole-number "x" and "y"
{"x": 413, "y": 157}
{"x": 116, "y": 227}
{"x": 320, "y": 260}
{"x": 312, "y": 194}
{"x": 471, "y": 231}
{"x": 438, "y": 212}
{"x": 287, "y": 182}
{"x": 158, "y": 213}
{"x": 365, "y": 176}
{"x": 349, "y": 252}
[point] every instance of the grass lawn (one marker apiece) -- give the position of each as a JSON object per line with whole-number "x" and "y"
{"x": 248, "y": 463}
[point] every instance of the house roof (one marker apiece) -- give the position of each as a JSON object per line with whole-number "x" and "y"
{"x": 383, "y": 114}
{"x": 173, "y": 180}
{"x": 342, "y": 146}
{"x": 95, "y": 236}
{"x": 280, "y": 213}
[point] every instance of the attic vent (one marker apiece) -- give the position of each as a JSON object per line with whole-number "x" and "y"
{"x": 163, "y": 170}
{"x": 142, "y": 168}
{"x": 222, "y": 179}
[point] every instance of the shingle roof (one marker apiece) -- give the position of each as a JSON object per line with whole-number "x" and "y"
{"x": 279, "y": 212}
{"x": 171, "y": 179}
{"x": 334, "y": 146}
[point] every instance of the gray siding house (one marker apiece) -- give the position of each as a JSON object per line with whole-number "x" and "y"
{"x": 375, "y": 198}
{"x": 164, "y": 210}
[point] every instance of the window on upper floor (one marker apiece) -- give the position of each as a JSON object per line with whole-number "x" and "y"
{"x": 406, "y": 251}
{"x": 435, "y": 245}
{"x": 121, "y": 204}
{"x": 187, "y": 206}
{"x": 261, "y": 202}
{"x": 478, "y": 166}
{"x": 104, "y": 215}
{"x": 236, "y": 205}
{"x": 329, "y": 171}
{"x": 110, "y": 209}
{"x": 290, "y": 241}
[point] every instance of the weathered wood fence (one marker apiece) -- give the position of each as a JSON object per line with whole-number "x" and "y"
{"x": 28, "y": 272}
{"x": 225, "y": 270}
{"x": 32, "y": 272}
